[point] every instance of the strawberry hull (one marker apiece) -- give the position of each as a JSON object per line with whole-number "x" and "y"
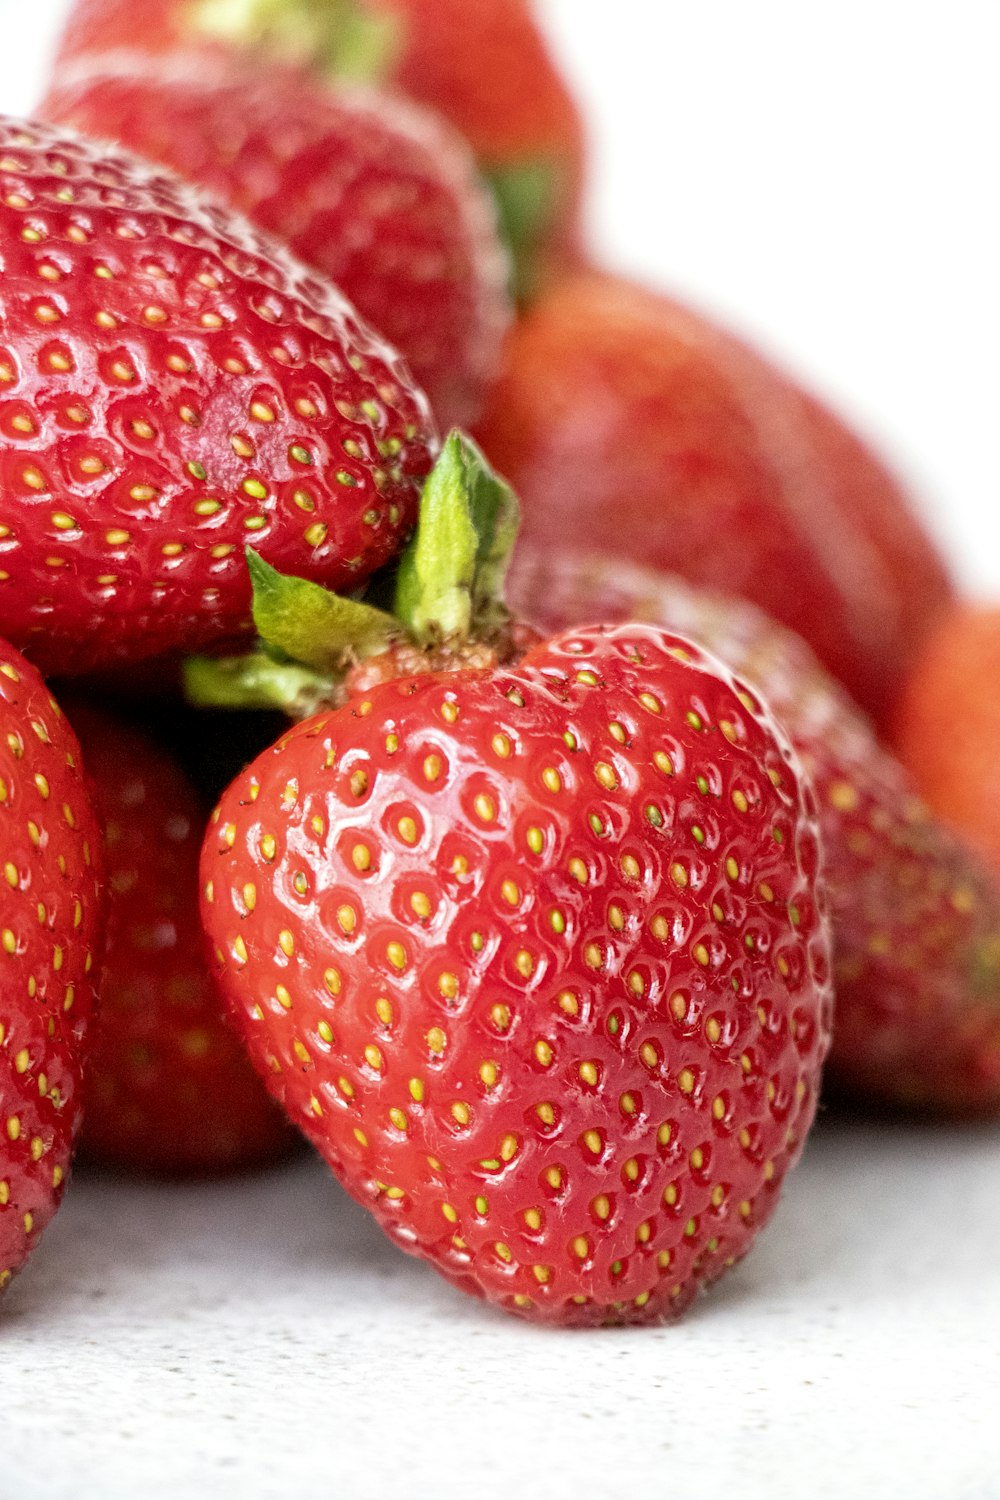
{"x": 173, "y": 387}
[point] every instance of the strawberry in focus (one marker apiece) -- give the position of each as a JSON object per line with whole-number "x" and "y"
{"x": 916, "y": 915}
{"x": 172, "y": 384}
{"x": 51, "y": 919}
{"x": 168, "y": 1089}
{"x": 483, "y": 65}
{"x": 533, "y": 952}
{"x": 377, "y": 194}
{"x": 625, "y": 418}
{"x": 947, "y": 728}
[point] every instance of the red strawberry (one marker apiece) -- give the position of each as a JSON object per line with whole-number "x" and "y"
{"x": 172, "y": 385}
{"x": 948, "y": 724}
{"x": 377, "y": 194}
{"x": 533, "y": 956}
{"x": 633, "y": 423}
{"x": 916, "y": 919}
{"x": 169, "y": 1089}
{"x": 482, "y": 64}
{"x": 50, "y": 927}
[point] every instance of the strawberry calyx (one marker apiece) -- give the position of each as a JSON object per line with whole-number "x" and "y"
{"x": 340, "y": 39}
{"x": 529, "y": 201}
{"x": 316, "y": 647}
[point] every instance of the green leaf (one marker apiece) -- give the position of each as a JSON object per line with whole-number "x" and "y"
{"x": 451, "y": 575}
{"x": 255, "y": 680}
{"x": 339, "y": 38}
{"x": 527, "y": 195}
{"x": 310, "y": 624}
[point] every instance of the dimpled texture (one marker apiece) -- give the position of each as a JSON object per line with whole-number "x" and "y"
{"x": 623, "y": 416}
{"x": 484, "y": 65}
{"x": 51, "y": 928}
{"x": 916, "y": 914}
{"x": 535, "y": 957}
{"x": 377, "y": 194}
{"x": 948, "y": 724}
{"x": 169, "y": 1089}
{"x": 173, "y": 386}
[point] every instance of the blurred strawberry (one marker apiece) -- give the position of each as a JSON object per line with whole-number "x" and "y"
{"x": 948, "y": 724}
{"x": 376, "y": 193}
{"x": 631, "y": 422}
{"x": 482, "y": 64}
{"x": 169, "y": 1088}
{"x": 916, "y": 917}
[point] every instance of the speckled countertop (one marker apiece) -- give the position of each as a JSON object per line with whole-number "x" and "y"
{"x": 259, "y": 1339}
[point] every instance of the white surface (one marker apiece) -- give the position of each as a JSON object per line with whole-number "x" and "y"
{"x": 261, "y": 1340}
{"x": 825, "y": 178}
{"x": 221, "y": 1340}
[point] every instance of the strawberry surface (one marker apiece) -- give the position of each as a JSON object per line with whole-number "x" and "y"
{"x": 482, "y": 64}
{"x": 916, "y": 915}
{"x": 947, "y": 727}
{"x": 535, "y": 957}
{"x": 377, "y": 194}
{"x": 173, "y": 385}
{"x": 169, "y": 1089}
{"x": 625, "y": 418}
{"x": 51, "y": 919}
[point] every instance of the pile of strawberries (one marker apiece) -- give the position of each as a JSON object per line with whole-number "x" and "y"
{"x": 571, "y": 824}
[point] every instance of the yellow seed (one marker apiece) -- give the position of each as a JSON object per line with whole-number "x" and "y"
{"x": 436, "y": 1039}
{"x": 589, "y": 1073}
{"x": 461, "y": 1112}
{"x": 592, "y": 1141}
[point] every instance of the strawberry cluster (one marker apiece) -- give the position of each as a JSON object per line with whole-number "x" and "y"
{"x": 542, "y": 916}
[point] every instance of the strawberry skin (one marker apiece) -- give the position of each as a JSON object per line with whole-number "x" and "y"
{"x": 947, "y": 726}
{"x": 916, "y": 916}
{"x": 483, "y": 65}
{"x": 377, "y": 194}
{"x": 51, "y": 920}
{"x": 626, "y": 418}
{"x": 173, "y": 385}
{"x": 534, "y": 957}
{"x": 168, "y": 1089}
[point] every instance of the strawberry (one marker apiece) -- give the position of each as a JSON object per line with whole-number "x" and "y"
{"x": 916, "y": 917}
{"x": 377, "y": 194}
{"x": 625, "y": 418}
{"x": 169, "y": 1089}
{"x": 948, "y": 724}
{"x": 533, "y": 953}
{"x": 482, "y": 64}
{"x": 173, "y": 383}
{"x": 51, "y": 921}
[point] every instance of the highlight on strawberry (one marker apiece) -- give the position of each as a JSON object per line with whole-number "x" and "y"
{"x": 529, "y": 938}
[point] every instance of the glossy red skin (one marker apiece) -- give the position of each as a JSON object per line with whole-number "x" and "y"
{"x": 484, "y": 65}
{"x": 705, "y": 1059}
{"x": 916, "y": 914}
{"x": 633, "y": 424}
{"x": 169, "y": 1089}
{"x": 51, "y": 917}
{"x": 376, "y": 194}
{"x": 947, "y": 728}
{"x": 122, "y": 396}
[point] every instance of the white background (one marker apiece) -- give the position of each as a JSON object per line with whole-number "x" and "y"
{"x": 824, "y": 177}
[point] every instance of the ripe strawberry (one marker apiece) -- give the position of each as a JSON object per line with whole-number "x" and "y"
{"x": 482, "y": 64}
{"x": 50, "y": 926}
{"x": 625, "y": 418}
{"x": 172, "y": 384}
{"x": 169, "y": 1089}
{"x": 533, "y": 955}
{"x": 378, "y": 195}
{"x": 916, "y": 918}
{"x": 948, "y": 724}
